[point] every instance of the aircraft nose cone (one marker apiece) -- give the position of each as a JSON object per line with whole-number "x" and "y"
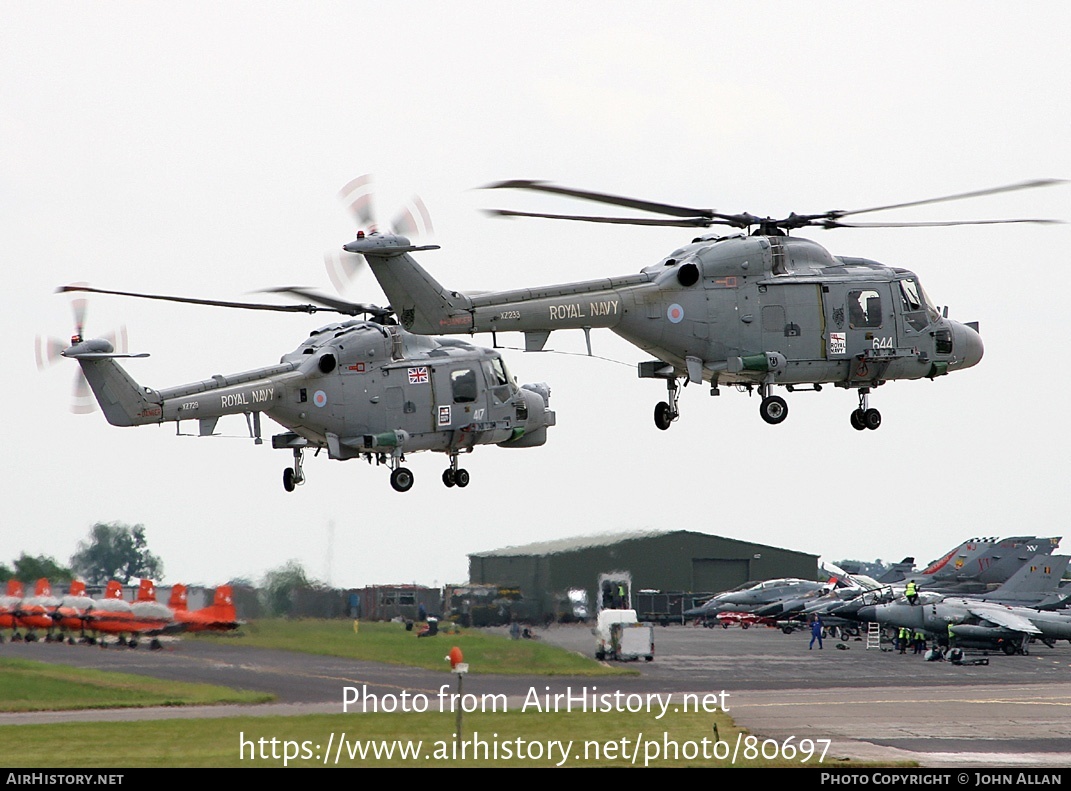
{"x": 967, "y": 345}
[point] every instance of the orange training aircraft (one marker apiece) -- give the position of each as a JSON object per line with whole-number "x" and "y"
{"x": 9, "y": 605}
{"x": 35, "y": 612}
{"x": 220, "y": 616}
{"x": 113, "y": 615}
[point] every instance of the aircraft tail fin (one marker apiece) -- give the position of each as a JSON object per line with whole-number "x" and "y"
{"x": 15, "y": 588}
{"x": 114, "y": 590}
{"x": 122, "y": 400}
{"x": 221, "y": 614}
{"x": 419, "y": 300}
{"x": 146, "y": 591}
{"x": 78, "y": 588}
{"x": 43, "y": 587}
{"x": 1039, "y": 576}
{"x": 898, "y": 571}
{"x": 177, "y": 600}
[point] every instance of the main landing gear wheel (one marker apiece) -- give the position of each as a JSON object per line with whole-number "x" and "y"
{"x": 663, "y": 415}
{"x": 448, "y": 478}
{"x": 293, "y": 476}
{"x": 401, "y": 479}
{"x": 773, "y": 409}
{"x": 865, "y": 416}
{"x": 461, "y": 478}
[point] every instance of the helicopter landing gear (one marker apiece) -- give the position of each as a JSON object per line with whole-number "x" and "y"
{"x": 401, "y": 479}
{"x": 293, "y": 476}
{"x": 666, "y": 413}
{"x": 865, "y": 416}
{"x": 453, "y": 476}
{"x": 773, "y": 409}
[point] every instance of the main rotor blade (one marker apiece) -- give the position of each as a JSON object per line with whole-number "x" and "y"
{"x": 193, "y": 301}
{"x": 1022, "y": 185}
{"x": 333, "y": 303}
{"x": 599, "y": 197}
{"x": 693, "y": 222}
{"x": 836, "y": 224}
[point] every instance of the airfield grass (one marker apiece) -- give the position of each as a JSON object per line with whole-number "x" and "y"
{"x": 520, "y": 738}
{"x": 598, "y": 738}
{"x": 37, "y": 686}
{"x": 392, "y": 644}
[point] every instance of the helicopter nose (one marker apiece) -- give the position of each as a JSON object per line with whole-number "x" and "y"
{"x": 967, "y": 344}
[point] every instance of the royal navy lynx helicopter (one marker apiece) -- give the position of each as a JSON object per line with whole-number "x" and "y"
{"x": 361, "y": 388}
{"x": 758, "y": 309}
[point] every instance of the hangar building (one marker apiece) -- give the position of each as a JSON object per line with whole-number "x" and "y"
{"x": 670, "y": 560}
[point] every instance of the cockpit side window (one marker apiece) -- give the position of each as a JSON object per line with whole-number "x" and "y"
{"x": 864, "y": 308}
{"x": 914, "y": 305}
{"x": 463, "y": 384}
{"x": 497, "y": 380}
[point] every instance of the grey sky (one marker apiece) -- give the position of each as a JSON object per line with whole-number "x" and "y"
{"x": 197, "y": 149}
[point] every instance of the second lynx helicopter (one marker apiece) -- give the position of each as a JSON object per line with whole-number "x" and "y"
{"x": 756, "y": 311}
{"x": 359, "y": 389}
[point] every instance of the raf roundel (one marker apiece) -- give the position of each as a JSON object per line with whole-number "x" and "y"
{"x": 319, "y": 398}
{"x": 675, "y": 313}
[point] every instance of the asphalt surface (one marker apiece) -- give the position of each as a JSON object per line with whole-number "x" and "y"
{"x": 874, "y": 705}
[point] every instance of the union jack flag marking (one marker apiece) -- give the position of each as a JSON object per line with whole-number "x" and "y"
{"x": 418, "y": 376}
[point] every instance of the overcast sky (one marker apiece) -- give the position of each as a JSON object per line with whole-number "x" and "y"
{"x": 198, "y": 149}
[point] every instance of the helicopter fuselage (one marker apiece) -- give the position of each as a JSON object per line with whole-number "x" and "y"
{"x": 357, "y": 388}
{"x": 732, "y": 304}
{"x": 760, "y": 310}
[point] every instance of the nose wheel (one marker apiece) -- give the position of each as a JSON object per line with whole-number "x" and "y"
{"x": 293, "y": 476}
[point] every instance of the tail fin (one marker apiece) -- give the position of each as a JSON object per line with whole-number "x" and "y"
{"x": 43, "y": 587}
{"x": 224, "y": 597}
{"x": 78, "y": 588}
{"x": 147, "y": 591}
{"x": 177, "y": 600}
{"x": 222, "y": 608}
{"x": 14, "y": 588}
{"x": 122, "y": 400}
{"x": 421, "y": 303}
{"x": 1040, "y": 575}
{"x": 114, "y": 590}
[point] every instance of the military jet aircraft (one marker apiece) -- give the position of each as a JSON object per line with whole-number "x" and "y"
{"x": 978, "y": 563}
{"x": 753, "y": 596}
{"x": 1006, "y": 618}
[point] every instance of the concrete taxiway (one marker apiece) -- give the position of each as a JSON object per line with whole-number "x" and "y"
{"x": 874, "y": 705}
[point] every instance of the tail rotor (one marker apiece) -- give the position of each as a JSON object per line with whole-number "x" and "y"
{"x": 47, "y": 350}
{"x": 412, "y": 221}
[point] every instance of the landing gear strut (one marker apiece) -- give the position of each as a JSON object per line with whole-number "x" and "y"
{"x": 865, "y": 416}
{"x": 665, "y": 413}
{"x": 293, "y": 476}
{"x": 453, "y": 476}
